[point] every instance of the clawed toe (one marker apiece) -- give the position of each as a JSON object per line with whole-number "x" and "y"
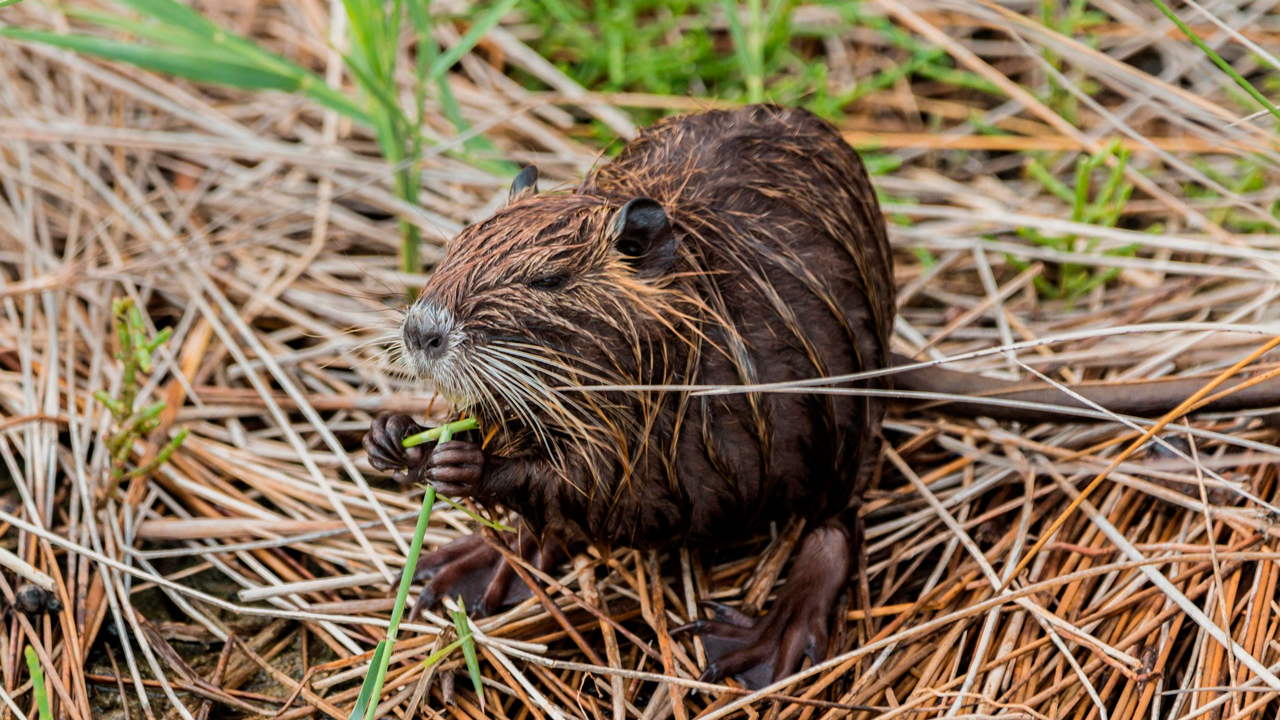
{"x": 726, "y": 614}
{"x": 455, "y": 467}
{"x": 760, "y": 651}
{"x": 384, "y": 444}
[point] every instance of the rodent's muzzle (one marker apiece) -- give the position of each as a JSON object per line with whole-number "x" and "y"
{"x": 430, "y": 333}
{"x": 427, "y": 341}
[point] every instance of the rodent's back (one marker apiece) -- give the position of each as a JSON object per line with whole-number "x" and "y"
{"x": 785, "y": 243}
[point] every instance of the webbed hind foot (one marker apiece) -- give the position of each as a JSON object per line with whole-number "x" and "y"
{"x": 761, "y": 651}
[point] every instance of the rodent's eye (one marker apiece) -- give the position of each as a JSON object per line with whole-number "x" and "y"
{"x": 550, "y": 282}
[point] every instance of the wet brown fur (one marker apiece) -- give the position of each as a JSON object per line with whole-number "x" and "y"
{"x": 783, "y": 273}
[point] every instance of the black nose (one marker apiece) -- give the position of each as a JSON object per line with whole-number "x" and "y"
{"x": 430, "y": 342}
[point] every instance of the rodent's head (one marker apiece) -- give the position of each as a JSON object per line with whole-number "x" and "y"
{"x": 552, "y": 290}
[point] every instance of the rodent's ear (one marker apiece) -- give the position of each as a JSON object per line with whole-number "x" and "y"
{"x": 642, "y": 233}
{"x": 525, "y": 184}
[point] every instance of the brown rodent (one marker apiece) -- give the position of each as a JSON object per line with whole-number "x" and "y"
{"x": 725, "y": 248}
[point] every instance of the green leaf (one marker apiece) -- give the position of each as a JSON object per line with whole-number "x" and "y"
{"x": 367, "y": 687}
{"x": 483, "y": 521}
{"x": 473, "y": 36}
{"x": 7, "y": 3}
{"x": 145, "y": 29}
{"x": 176, "y": 15}
{"x": 439, "y": 655}
{"x": 37, "y": 684}
{"x": 378, "y": 671}
{"x": 227, "y": 60}
{"x": 738, "y": 34}
{"x": 201, "y": 65}
{"x": 371, "y": 84}
{"x": 111, "y": 403}
{"x": 1217, "y": 59}
{"x": 463, "y": 627}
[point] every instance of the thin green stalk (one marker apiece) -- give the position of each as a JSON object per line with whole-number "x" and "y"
{"x": 1217, "y": 59}
{"x": 439, "y": 655}
{"x": 378, "y": 671}
{"x": 367, "y": 703}
{"x": 441, "y": 433}
{"x": 755, "y": 48}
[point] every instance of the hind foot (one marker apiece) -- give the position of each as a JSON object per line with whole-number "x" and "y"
{"x": 761, "y": 651}
{"x": 472, "y": 569}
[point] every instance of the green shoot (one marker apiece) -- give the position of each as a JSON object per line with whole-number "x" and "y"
{"x": 440, "y": 654}
{"x": 494, "y": 525}
{"x": 371, "y": 690}
{"x": 367, "y": 702}
{"x": 132, "y": 423}
{"x": 1091, "y": 203}
{"x": 37, "y": 684}
{"x": 171, "y": 38}
{"x": 1068, "y": 21}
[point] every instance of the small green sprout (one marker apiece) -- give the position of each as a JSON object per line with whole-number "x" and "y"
{"x": 132, "y": 423}
{"x": 37, "y": 684}
{"x": 1102, "y": 207}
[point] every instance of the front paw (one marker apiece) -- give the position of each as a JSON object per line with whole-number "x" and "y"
{"x": 454, "y": 468}
{"x": 384, "y": 444}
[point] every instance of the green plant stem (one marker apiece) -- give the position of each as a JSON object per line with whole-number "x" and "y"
{"x": 755, "y": 48}
{"x": 367, "y": 703}
{"x": 402, "y": 596}
{"x": 442, "y": 433}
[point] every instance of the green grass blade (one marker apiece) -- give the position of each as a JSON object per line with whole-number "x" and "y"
{"x": 1042, "y": 175}
{"x": 738, "y": 34}
{"x": 7, "y": 3}
{"x": 1217, "y": 59}
{"x": 201, "y": 65}
{"x": 497, "y": 526}
{"x": 367, "y": 687}
{"x": 335, "y": 100}
{"x": 469, "y": 649}
{"x": 473, "y": 36}
{"x": 420, "y": 17}
{"x": 755, "y": 52}
{"x": 214, "y": 64}
{"x": 439, "y": 655}
{"x": 379, "y": 671}
{"x": 374, "y": 87}
{"x": 147, "y": 30}
{"x": 37, "y": 684}
{"x": 177, "y": 15}
{"x": 366, "y": 34}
